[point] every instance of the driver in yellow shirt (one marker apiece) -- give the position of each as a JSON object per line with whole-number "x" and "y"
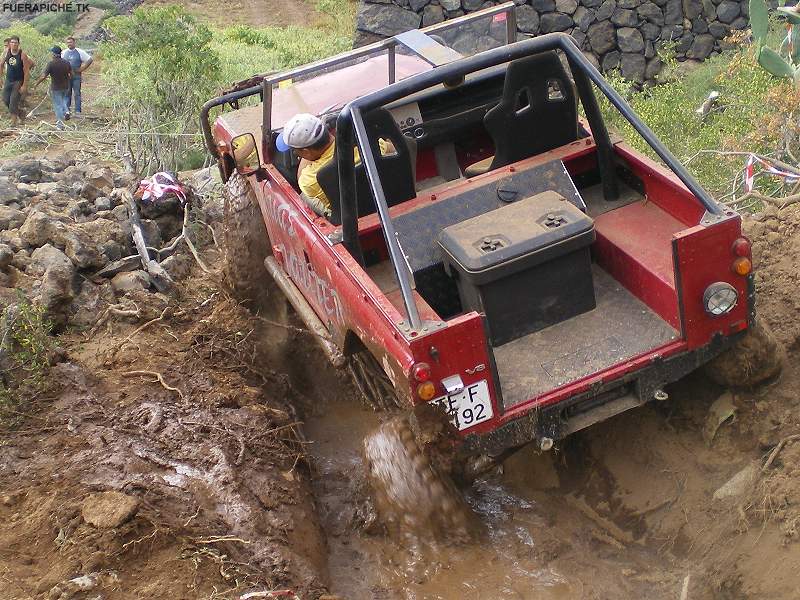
{"x": 310, "y": 140}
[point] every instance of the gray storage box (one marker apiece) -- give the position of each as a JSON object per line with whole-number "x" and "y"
{"x": 525, "y": 266}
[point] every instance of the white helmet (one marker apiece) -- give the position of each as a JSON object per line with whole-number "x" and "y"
{"x": 301, "y": 131}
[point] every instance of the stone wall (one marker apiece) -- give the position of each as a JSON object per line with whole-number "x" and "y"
{"x": 616, "y": 34}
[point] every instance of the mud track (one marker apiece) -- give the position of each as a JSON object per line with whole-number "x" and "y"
{"x": 251, "y": 477}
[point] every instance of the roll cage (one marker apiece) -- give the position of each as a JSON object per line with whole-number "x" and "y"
{"x": 351, "y": 130}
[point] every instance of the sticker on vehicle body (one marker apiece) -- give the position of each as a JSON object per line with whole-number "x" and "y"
{"x": 470, "y": 406}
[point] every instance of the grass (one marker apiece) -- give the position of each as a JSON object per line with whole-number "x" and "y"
{"x": 749, "y": 97}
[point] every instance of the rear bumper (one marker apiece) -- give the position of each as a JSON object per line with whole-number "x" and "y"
{"x": 560, "y": 419}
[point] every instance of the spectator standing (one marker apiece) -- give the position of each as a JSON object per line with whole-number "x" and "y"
{"x": 17, "y": 68}
{"x": 60, "y": 73}
{"x": 79, "y": 60}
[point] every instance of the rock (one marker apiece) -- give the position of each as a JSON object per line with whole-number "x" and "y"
{"x": 178, "y": 266}
{"x": 10, "y": 218}
{"x": 649, "y": 50}
{"x": 55, "y": 293}
{"x": 701, "y": 47}
{"x": 554, "y": 22}
{"x": 8, "y": 192}
{"x": 709, "y": 10}
{"x": 623, "y": 17}
{"x": 611, "y": 61}
{"x": 718, "y": 30}
{"x": 567, "y": 7}
{"x": 727, "y": 11}
{"x": 37, "y": 228}
{"x": 450, "y": 4}
{"x": 418, "y": 5}
{"x": 684, "y": 43}
{"x": 632, "y": 66}
{"x": 470, "y": 5}
{"x": 592, "y": 59}
{"x": 606, "y": 9}
{"x": 543, "y": 6}
{"x": 131, "y": 281}
{"x": 107, "y": 510}
{"x": 432, "y": 15}
{"x": 6, "y": 256}
{"x": 699, "y": 25}
{"x": 692, "y": 8}
{"x": 650, "y": 31}
{"x": 739, "y": 484}
{"x": 24, "y": 170}
{"x": 151, "y": 233}
{"x": 602, "y": 37}
{"x": 103, "y": 203}
{"x": 673, "y": 13}
{"x": 583, "y": 17}
{"x": 740, "y": 23}
{"x": 129, "y": 263}
{"x": 527, "y": 19}
{"x": 591, "y": 3}
{"x": 671, "y": 32}
{"x": 629, "y": 40}
{"x": 654, "y": 66}
{"x": 579, "y": 37}
{"x": 98, "y": 182}
{"x": 651, "y": 13}
{"x": 22, "y": 260}
{"x": 387, "y": 20}
{"x": 628, "y": 3}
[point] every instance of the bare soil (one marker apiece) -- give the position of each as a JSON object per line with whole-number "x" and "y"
{"x": 256, "y": 13}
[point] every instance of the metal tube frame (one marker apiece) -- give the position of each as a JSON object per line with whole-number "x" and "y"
{"x": 352, "y": 117}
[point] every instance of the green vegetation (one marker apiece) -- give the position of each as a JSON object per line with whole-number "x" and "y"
{"x": 59, "y": 24}
{"x": 25, "y": 349}
{"x": 736, "y": 124}
{"x": 163, "y": 64}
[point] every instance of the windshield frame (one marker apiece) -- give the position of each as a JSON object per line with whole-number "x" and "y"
{"x": 389, "y": 45}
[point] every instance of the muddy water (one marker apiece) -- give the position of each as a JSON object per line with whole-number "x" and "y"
{"x": 529, "y": 544}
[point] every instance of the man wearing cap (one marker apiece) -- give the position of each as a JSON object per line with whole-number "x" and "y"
{"x": 310, "y": 140}
{"x": 60, "y": 73}
{"x": 308, "y": 137}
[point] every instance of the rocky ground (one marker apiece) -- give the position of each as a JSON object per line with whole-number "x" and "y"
{"x": 158, "y": 457}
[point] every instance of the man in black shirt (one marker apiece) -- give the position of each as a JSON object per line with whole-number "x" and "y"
{"x": 60, "y": 73}
{"x": 17, "y": 67}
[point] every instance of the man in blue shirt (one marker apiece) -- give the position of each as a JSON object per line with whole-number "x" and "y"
{"x": 79, "y": 60}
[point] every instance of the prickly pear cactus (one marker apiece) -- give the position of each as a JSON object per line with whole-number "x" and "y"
{"x": 788, "y": 65}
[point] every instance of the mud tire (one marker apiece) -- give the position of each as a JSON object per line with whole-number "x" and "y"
{"x": 756, "y": 358}
{"x": 246, "y": 245}
{"x": 412, "y": 497}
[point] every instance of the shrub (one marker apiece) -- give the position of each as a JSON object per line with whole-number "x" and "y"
{"x": 162, "y": 68}
{"x": 26, "y": 347}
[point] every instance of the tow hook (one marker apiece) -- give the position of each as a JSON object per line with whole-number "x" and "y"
{"x": 545, "y": 444}
{"x": 660, "y": 395}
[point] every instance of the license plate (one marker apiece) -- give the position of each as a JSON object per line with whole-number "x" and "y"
{"x": 470, "y": 406}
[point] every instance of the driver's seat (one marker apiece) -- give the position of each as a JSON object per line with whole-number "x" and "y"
{"x": 538, "y": 112}
{"x": 396, "y": 170}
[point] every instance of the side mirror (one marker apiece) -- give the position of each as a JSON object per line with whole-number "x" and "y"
{"x": 245, "y": 153}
